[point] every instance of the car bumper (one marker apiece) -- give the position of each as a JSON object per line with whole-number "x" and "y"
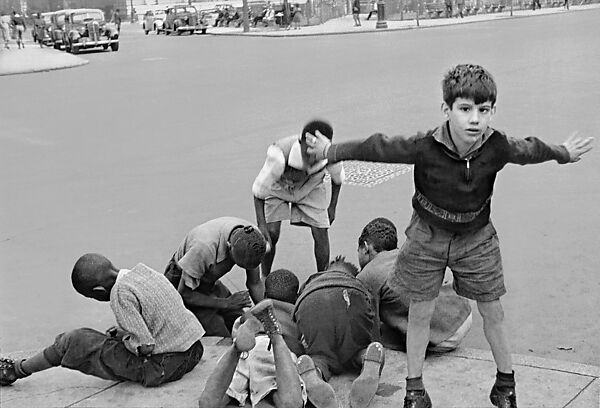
{"x": 92, "y": 44}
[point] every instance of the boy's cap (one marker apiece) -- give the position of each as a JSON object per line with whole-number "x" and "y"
{"x": 248, "y": 247}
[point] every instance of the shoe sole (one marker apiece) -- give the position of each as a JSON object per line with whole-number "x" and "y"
{"x": 365, "y": 385}
{"x": 319, "y": 393}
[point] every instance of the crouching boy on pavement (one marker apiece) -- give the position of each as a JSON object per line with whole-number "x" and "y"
{"x": 337, "y": 321}
{"x": 156, "y": 339}
{"x": 377, "y": 253}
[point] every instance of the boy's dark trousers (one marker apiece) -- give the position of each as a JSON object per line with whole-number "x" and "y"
{"x": 92, "y": 352}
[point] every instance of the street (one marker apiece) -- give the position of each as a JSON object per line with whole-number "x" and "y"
{"x": 125, "y": 155}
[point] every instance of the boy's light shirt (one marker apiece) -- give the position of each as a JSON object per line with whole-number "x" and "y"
{"x": 275, "y": 166}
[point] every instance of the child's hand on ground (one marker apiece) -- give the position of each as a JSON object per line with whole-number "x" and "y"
{"x": 318, "y": 146}
{"x": 577, "y": 146}
{"x": 239, "y": 300}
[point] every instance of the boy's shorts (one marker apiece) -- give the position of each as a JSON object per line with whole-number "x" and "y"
{"x": 311, "y": 209}
{"x": 254, "y": 377}
{"x": 474, "y": 259}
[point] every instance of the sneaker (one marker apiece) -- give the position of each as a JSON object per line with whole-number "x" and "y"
{"x": 417, "y": 399}
{"x": 319, "y": 392}
{"x": 504, "y": 397}
{"x": 365, "y": 385}
{"x": 264, "y": 312}
{"x": 8, "y": 374}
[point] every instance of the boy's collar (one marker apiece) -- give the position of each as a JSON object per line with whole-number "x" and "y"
{"x": 442, "y": 135}
{"x": 296, "y": 161}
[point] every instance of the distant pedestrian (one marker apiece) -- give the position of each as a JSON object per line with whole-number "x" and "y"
{"x": 5, "y": 29}
{"x": 18, "y": 23}
{"x": 373, "y": 9}
{"x": 534, "y": 3}
{"x": 297, "y": 17}
{"x": 356, "y": 12}
{"x": 460, "y": 6}
{"x": 116, "y": 18}
{"x": 566, "y": 4}
{"x": 448, "y": 4}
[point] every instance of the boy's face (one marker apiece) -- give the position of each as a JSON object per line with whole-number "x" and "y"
{"x": 468, "y": 121}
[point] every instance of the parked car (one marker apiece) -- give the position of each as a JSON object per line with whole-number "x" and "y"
{"x": 87, "y": 28}
{"x": 153, "y": 21}
{"x": 183, "y": 18}
{"x": 57, "y": 27}
{"x": 42, "y": 27}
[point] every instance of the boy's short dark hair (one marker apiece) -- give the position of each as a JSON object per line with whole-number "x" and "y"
{"x": 87, "y": 271}
{"x": 381, "y": 233}
{"x": 339, "y": 262}
{"x": 248, "y": 246}
{"x": 282, "y": 284}
{"x": 469, "y": 81}
{"x": 320, "y": 125}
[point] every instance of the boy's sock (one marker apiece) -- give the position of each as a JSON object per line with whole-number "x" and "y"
{"x": 504, "y": 380}
{"x": 415, "y": 384}
{"x": 20, "y": 370}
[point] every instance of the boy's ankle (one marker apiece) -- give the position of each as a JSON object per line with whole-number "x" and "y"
{"x": 415, "y": 384}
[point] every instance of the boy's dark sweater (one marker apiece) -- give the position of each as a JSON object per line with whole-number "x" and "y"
{"x": 461, "y": 186}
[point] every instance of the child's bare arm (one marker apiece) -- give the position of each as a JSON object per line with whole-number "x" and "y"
{"x": 577, "y": 146}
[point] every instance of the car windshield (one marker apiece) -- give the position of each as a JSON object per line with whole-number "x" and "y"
{"x": 47, "y": 19}
{"x": 60, "y": 20}
{"x": 85, "y": 17}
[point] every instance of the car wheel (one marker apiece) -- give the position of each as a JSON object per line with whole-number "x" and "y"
{"x": 74, "y": 49}
{"x": 204, "y": 31}
{"x": 114, "y": 46}
{"x": 105, "y": 46}
{"x": 146, "y": 31}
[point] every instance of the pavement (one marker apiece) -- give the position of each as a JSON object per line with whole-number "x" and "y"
{"x": 35, "y": 59}
{"x": 459, "y": 379}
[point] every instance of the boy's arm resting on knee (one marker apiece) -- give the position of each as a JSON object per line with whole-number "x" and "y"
{"x": 261, "y": 222}
{"x": 255, "y": 285}
{"x": 196, "y": 299}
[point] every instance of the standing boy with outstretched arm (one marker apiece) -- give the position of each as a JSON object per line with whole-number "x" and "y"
{"x": 455, "y": 166}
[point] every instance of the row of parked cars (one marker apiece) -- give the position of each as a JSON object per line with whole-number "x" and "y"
{"x": 175, "y": 19}
{"x": 75, "y": 29}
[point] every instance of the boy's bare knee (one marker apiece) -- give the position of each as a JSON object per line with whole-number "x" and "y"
{"x": 491, "y": 312}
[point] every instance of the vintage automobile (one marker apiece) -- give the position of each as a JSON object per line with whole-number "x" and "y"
{"x": 183, "y": 18}
{"x": 42, "y": 27}
{"x": 86, "y": 28}
{"x": 57, "y": 27}
{"x": 153, "y": 21}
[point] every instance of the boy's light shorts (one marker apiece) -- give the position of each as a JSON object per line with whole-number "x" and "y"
{"x": 311, "y": 209}
{"x": 474, "y": 259}
{"x": 255, "y": 376}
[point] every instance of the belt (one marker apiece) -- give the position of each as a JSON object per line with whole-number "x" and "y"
{"x": 457, "y": 217}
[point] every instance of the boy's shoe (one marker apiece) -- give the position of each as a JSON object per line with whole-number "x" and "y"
{"x": 8, "y": 374}
{"x": 264, "y": 312}
{"x": 503, "y": 398}
{"x": 365, "y": 385}
{"x": 319, "y": 393}
{"x": 417, "y": 399}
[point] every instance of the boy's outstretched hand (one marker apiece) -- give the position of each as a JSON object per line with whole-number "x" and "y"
{"x": 577, "y": 146}
{"x": 318, "y": 146}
